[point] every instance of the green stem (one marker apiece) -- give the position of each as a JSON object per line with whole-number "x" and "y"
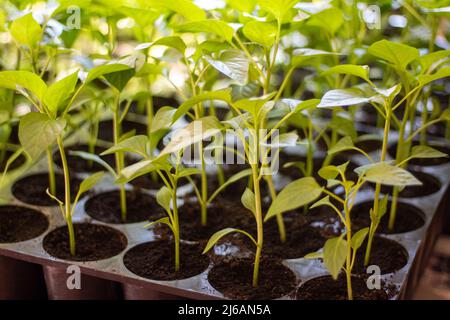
{"x": 204, "y": 187}
{"x": 67, "y": 204}
{"x": 51, "y": 171}
{"x": 176, "y": 228}
{"x": 259, "y": 224}
{"x": 119, "y": 159}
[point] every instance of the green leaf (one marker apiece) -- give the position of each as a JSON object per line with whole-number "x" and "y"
{"x": 254, "y": 105}
{"x": 351, "y": 69}
{"x": 137, "y": 144}
{"x": 174, "y": 42}
{"x": 358, "y": 238}
{"x": 398, "y": 54}
{"x": 142, "y": 17}
{"x": 329, "y": 19}
{"x": 37, "y": 132}
{"x": 222, "y": 233}
{"x": 343, "y": 97}
{"x": 382, "y": 209}
{"x": 445, "y": 116}
{"x": 186, "y": 172}
{"x": 26, "y": 31}
{"x": 261, "y": 32}
{"x": 426, "y": 152}
{"x": 116, "y": 74}
{"x": 184, "y": 7}
{"x": 296, "y": 194}
{"x": 343, "y": 144}
{"x": 232, "y": 63}
{"x": 307, "y": 104}
{"x": 334, "y": 255}
{"x": 329, "y": 172}
{"x": 164, "y": 198}
{"x": 142, "y": 167}
{"x": 248, "y": 200}
{"x": 164, "y": 220}
{"x": 305, "y": 56}
{"x": 222, "y": 95}
{"x": 322, "y": 202}
{"x": 314, "y": 255}
{"x": 387, "y": 174}
{"x": 343, "y": 126}
{"x": 427, "y": 61}
{"x": 88, "y": 183}
{"x": 95, "y": 158}
{"x": 279, "y": 8}
{"x": 441, "y": 73}
{"x": 59, "y": 92}
{"x": 16, "y": 80}
{"x": 217, "y": 27}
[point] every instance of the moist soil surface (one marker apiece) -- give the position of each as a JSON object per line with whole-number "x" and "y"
{"x": 15, "y": 164}
{"x": 221, "y": 214}
{"x": 20, "y": 224}
{"x": 425, "y": 161}
{"x": 32, "y": 189}
{"x": 93, "y": 242}
{"x": 105, "y": 129}
{"x": 156, "y": 260}
{"x": 105, "y": 207}
{"x": 408, "y": 218}
{"x": 233, "y": 278}
{"x": 78, "y": 164}
{"x": 326, "y": 288}
{"x": 429, "y": 186}
{"x": 388, "y": 254}
{"x": 146, "y": 182}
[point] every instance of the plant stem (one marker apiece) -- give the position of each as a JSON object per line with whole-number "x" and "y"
{"x": 51, "y": 171}
{"x": 119, "y": 159}
{"x": 176, "y": 228}
{"x": 374, "y": 224}
{"x": 204, "y": 186}
{"x": 67, "y": 201}
{"x": 259, "y": 224}
{"x": 348, "y": 268}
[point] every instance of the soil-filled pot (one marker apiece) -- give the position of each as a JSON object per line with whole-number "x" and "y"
{"x": 20, "y": 279}
{"x": 94, "y": 242}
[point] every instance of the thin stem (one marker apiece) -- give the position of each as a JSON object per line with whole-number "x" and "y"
{"x": 259, "y": 224}
{"x": 119, "y": 158}
{"x": 176, "y": 228}
{"x": 67, "y": 203}
{"x": 51, "y": 171}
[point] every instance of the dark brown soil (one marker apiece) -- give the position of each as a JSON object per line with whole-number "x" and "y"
{"x": 408, "y": 218}
{"x": 105, "y": 129}
{"x": 78, "y": 164}
{"x": 429, "y": 186}
{"x": 156, "y": 260}
{"x": 426, "y": 161}
{"x": 93, "y": 242}
{"x": 15, "y": 164}
{"x": 158, "y": 103}
{"x": 389, "y": 255}
{"x": 326, "y": 288}
{"x": 105, "y": 207}
{"x": 32, "y": 189}
{"x": 233, "y": 278}
{"x": 221, "y": 214}
{"x": 20, "y": 224}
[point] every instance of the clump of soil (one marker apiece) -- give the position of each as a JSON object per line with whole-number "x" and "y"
{"x": 233, "y": 278}
{"x": 326, "y": 288}
{"x": 156, "y": 260}
{"x": 20, "y": 224}
{"x": 32, "y": 189}
{"x": 93, "y": 242}
{"x": 105, "y": 207}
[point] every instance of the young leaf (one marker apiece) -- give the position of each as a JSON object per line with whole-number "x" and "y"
{"x": 248, "y": 200}
{"x": 88, "y": 183}
{"x": 186, "y": 172}
{"x": 382, "y": 209}
{"x": 261, "y": 32}
{"x": 95, "y": 158}
{"x": 351, "y": 69}
{"x": 136, "y": 144}
{"x": 343, "y": 144}
{"x": 222, "y": 233}
{"x": 296, "y": 194}
{"x": 358, "y": 238}
{"x": 334, "y": 255}
{"x": 232, "y": 63}
{"x": 427, "y": 78}
{"x": 329, "y": 19}
{"x": 426, "y": 152}
{"x": 235, "y": 177}
{"x": 174, "y": 42}
{"x": 222, "y": 95}
{"x": 184, "y": 7}
{"x": 15, "y": 80}
{"x": 164, "y": 220}
{"x": 428, "y": 60}
{"x": 37, "y": 132}
{"x": 164, "y": 198}
{"x": 142, "y": 167}
{"x": 305, "y": 56}
{"x": 343, "y": 97}
{"x": 217, "y": 27}
{"x": 59, "y": 92}
{"x": 322, "y": 202}
{"x": 279, "y": 8}
{"x": 194, "y": 132}
{"x": 253, "y": 105}
{"x": 387, "y": 174}
{"x": 26, "y": 31}
{"x": 328, "y": 172}
{"x": 314, "y": 255}
{"x": 117, "y": 74}
{"x": 396, "y": 53}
